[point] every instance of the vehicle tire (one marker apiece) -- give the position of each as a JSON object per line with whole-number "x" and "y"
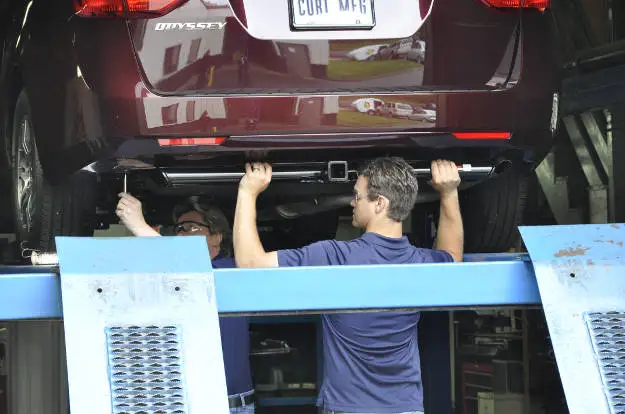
{"x": 42, "y": 211}
{"x": 492, "y": 212}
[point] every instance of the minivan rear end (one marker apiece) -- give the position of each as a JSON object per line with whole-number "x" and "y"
{"x": 230, "y": 67}
{"x": 138, "y": 79}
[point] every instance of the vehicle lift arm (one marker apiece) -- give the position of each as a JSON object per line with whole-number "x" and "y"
{"x": 114, "y": 290}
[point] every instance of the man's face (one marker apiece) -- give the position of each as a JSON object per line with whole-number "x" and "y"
{"x": 364, "y": 210}
{"x": 193, "y": 224}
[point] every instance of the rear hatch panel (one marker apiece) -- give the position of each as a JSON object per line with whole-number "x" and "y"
{"x": 239, "y": 47}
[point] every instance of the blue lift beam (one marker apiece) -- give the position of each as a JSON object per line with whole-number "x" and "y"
{"x": 503, "y": 280}
{"x": 563, "y": 262}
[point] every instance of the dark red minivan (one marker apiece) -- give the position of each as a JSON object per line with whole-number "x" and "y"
{"x": 173, "y": 96}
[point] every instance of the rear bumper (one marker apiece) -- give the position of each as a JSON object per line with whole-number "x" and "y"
{"x": 130, "y": 128}
{"x": 106, "y": 123}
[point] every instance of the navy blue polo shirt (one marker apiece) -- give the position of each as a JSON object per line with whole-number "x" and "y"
{"x": 235, "y": 344}
{"x": 371, "y": 360}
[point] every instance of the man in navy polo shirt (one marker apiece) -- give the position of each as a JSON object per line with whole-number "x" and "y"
{"x": 371, "y": 360}
{"x": 195, "y": 219}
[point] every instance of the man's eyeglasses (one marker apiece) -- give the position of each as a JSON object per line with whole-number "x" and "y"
{"x": 189, "y": 227}
{"x": 357, "y": 197}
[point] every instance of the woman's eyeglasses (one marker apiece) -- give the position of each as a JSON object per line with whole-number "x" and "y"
{"x": 190, "y": 227}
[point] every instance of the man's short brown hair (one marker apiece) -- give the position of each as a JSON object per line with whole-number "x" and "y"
{"x": 393, "y": 178}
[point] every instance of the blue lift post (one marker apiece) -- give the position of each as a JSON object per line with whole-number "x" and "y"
{"x": 503, "y": 280}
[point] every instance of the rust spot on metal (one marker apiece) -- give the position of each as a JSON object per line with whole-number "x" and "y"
{"x": 616, "y": 226}
{"x": 610, "y": 242}
{"x": 579, "y": 251}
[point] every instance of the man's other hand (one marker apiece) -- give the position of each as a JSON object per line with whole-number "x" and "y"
{"x": 445, "y": 177}
{"x": 130, "y": 213}
{"x": 256, "y": 179}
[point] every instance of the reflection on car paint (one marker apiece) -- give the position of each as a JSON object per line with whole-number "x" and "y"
{"x": 236, "y": 114}
{"x": 176, "y": 56}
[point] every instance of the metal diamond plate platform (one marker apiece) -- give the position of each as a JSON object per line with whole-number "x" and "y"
{"x": 580, "y": 272}
{"x": 145, "y": 369}
{"x": 607, "y": 332}
{"x": 135, "y": 340}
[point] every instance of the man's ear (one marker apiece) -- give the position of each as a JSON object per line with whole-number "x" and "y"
{"x": 381, "y": 204}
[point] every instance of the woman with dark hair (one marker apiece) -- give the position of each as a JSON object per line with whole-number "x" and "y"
{"x": 197, "y": 214}
{"x": 195, "y": 218}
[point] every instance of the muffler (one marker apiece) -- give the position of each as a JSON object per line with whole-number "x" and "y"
{"x": 298, "y": 209}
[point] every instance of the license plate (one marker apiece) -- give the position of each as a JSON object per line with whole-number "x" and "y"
{"x": 332, "y": 14}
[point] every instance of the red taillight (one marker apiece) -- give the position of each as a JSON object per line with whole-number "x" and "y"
{"x": 182, "y": 142}
{"x": 482, "y": 135}
{"x": 536, "y": 4}
{"x": 125, "y": 8}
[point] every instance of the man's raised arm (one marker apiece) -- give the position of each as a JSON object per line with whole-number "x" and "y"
{"x": 248, "y": 250}
{"x": 450, "y": 234}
